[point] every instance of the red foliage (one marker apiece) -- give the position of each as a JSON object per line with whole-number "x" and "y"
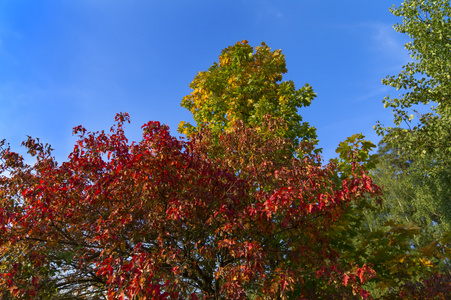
{"x": 172, "y": 219}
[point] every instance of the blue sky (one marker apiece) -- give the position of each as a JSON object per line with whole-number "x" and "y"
{"x": 69, "y": 63}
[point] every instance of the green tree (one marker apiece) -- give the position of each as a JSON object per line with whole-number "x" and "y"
{"x": 406, "y": 237}
{"x": 412, "y": 194}
{"x": 426, "y": 81}
{"x": 414, "y": 167}
{"x": 247, "y": 85}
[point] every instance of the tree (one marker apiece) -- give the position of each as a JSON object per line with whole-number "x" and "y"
{"x": 426, "y": 80}
{"x": 246, "y": 85}
{"x": 407, "y": 237}
{"x": 212, "y": 94}
{"x": 414, "y": 163}
{"x": 411, "y": 194}
{"x": 253, "y": 155}
{"x": 163, "y": 219}
{"x": 418, "y": 156}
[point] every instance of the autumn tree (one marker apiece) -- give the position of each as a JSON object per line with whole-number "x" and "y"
{"x": 243, "y": 209}
{"x": 162, "y": 219}
{"x": 246, "y": 84}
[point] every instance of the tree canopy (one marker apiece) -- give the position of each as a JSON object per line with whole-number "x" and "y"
{"x": 414, "y": 164}
{"x": 160, "y": 219}
{"x": 244, "y": 207}
{"x": 247, "y": 85}
{"x": 230, "y": 213}
{"x": 425, "y": 81}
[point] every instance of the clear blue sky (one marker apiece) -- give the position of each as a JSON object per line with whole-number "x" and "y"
{"x": 69, "y": 63}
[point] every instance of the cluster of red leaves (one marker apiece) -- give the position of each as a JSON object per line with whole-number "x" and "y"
{"x": 212, "y": 217}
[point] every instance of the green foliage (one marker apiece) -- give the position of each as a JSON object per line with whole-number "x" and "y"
{"x": 413, "y": 194}
{"x": 405, "y": 238}
{"x": 355, "y": 150}
{"x": 426, "y": 80}
{"x": 247, "y": 85}
{"x": 414, "y": 166}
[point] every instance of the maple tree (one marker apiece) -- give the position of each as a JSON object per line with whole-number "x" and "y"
{"x": 246, "y": 84}
{"x": 164, "y": 219}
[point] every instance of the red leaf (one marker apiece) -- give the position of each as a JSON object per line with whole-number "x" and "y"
{"x": 345, "y": 279}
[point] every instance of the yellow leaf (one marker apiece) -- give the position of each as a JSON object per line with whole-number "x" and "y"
{"x": 426, "y": 263}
